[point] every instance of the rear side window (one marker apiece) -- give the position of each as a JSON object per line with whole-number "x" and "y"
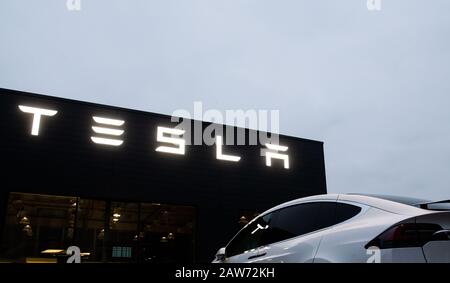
{"x": 305, "y": 218}
{"x": 301, "y": 219}
{"x": 345, "y": 211}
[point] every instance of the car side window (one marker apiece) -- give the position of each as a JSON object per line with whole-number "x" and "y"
{"x": 290, "y": 222}
{"x": 345, "y": 211}
{"x": 301, "y": 219}
{"x": 250, "y": 237}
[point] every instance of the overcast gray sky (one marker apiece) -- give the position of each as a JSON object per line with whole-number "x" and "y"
{"x": 373, "y": 85}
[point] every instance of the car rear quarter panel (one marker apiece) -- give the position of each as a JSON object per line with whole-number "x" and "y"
{"x": 437, "y": 251}
{"x": 346, "y": 241}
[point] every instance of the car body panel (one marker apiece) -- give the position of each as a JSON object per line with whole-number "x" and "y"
{"x": 437, "y": 251}
{"x": 243, "y": 257}
{"x": 339, "y": 246}
{"x": 300, "y": 249}
{"x": 347, "y": 241}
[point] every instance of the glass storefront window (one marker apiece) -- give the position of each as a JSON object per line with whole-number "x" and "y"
{"x": 39, "y": 228}
{"x": 123, "y": 226}
{"x": 166, "y": 233}
{"x": 90, "y": 226}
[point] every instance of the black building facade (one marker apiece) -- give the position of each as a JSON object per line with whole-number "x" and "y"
{"x": 76, "y": 173}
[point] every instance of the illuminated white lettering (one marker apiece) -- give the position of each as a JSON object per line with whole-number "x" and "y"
{"x": 37, "y": 113}
{"x": 219, "y": 153}
{"x": 179, "y": 142}
{"x": 112, "y": 142}
{"x": 275, "y": 154}
{"x": 107, "y": 121}
{"x": 107, "y": 131}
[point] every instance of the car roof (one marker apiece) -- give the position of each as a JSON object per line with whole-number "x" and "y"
{"x": 324, "y": 197}
{"x": 373, "y": 201}
{"x": 384, "y": 204}
{"x": 401, "y": 199}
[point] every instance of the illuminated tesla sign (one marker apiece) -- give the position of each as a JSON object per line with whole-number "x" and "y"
{"x": 275, "y": 154}
{"x": 179, "y": 142}
{"x": 37, "y": 113}
{"x": 220, "y": 155}
{"x": 109, "y": 132}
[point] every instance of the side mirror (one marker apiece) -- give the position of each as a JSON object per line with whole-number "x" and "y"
{"x": 220, "y": 255}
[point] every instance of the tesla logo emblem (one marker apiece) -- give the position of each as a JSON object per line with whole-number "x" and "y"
{"x": 260, "y": 227}
{"x": 108, "y": 131}
{"x": 37, "y": 114}
{"x": 112, "y": 132}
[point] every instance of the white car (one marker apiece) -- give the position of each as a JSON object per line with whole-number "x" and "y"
{"x": 345, "y": 228}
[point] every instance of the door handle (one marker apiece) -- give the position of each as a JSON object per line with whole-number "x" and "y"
{"x": 258, "y": 255}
